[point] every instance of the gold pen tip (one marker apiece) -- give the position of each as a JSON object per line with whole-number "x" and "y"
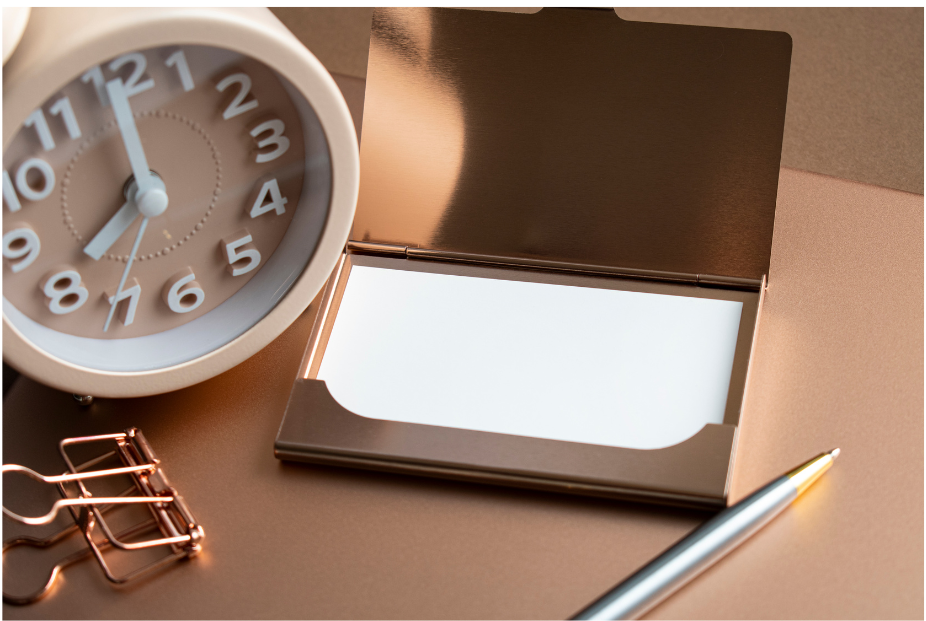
{"x": 804, "y": 476}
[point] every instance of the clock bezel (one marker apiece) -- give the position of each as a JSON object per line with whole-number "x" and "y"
{"x": 60, "y": 43}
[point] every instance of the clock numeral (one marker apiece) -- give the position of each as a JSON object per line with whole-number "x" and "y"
{"x": 63, "y": 107}
{"x": 9, "y": 194}
{"x": 94, "y": 76}
{"x": 270, "y": 190}
{"x": 238, "y": 247}
{"x": 131, "y": 292}
{"x": 132, "y": 86}
{"x": 22, "y": 243}
{"x": 40, "y": 123}
{"x": 37, "y": 120}
{"x": 276, "y": 129}
{"x": 178, "y": 60}
{"x": 28, "y": 190}
{"x": 237, "y": 105}
{"x": 64, "y": 290}
{"x": 182, "y": 293}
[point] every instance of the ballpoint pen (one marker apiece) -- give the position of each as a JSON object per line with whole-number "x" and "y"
{"x": 706, "y": 545}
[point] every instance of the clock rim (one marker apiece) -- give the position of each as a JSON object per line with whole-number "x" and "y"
{"x": 254, "y": 32}
{"x": 15, "y": 19}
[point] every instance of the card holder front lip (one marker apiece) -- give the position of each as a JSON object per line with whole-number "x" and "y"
{"x": 317, "y": 429}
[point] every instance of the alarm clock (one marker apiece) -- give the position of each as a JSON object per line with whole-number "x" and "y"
{"x": 178, "y": 185}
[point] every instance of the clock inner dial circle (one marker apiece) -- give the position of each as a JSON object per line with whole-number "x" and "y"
{"x": 194, "y": 182}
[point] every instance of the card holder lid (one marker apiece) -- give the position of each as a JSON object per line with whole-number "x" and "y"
{"x": 573, "y": 136}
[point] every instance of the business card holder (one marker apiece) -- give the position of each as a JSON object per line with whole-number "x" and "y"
{"x": 562, "y": 151}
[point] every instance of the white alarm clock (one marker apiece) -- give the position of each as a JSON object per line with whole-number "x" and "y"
{"x": 177, "y": 186}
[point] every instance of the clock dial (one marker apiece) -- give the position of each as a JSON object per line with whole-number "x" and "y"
{"x": 197, "y": 158}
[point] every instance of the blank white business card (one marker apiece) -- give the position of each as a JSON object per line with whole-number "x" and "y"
{"x": 598, "y": 366}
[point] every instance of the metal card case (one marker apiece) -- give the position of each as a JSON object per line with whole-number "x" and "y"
{"x": 571, "y": 147}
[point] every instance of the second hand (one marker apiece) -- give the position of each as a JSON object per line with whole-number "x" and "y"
{"x": 125, "y": 273}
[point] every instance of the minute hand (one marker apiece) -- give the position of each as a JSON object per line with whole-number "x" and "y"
{"x": 151, "y": 196}
{"x": 130, "y": 138}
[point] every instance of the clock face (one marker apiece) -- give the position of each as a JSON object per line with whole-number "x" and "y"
{"x": 158, "y": 205}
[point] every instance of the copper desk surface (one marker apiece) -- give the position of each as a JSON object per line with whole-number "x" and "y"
{"x": 839, "y": 363}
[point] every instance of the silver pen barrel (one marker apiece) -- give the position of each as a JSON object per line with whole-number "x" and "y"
{"x": 704, "y": 546}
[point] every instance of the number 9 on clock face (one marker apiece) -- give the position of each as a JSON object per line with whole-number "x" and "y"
{"x": 158, "y": 205}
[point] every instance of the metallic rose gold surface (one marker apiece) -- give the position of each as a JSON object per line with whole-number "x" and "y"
{"x": 321, "y": 331}
{"x": 573, "y": 136}
{"x": 839, "y": 362}
{"x": 318, "y": 429}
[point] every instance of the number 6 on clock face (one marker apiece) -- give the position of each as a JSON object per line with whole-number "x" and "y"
{"x": 182, "y": 293}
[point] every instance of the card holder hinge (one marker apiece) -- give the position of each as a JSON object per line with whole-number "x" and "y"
{"x": 389, "y": 250}
{"x": 704, "y": 280}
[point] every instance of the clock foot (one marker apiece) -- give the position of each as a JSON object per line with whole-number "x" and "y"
{"x": 83, "y": 400}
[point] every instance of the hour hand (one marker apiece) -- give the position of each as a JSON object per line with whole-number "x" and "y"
{"x": 112, "y": 231}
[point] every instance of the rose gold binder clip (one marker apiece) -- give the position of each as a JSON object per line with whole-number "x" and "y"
{"x": 170, "y": 516}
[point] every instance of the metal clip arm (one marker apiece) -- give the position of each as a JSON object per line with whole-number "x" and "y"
{"x": 170, "y": 516}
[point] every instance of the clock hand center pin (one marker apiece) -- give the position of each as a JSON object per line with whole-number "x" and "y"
{"x": 120, "y": 222}
{"x": 152, "y": 203}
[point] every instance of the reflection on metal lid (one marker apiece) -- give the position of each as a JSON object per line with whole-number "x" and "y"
{"x": 575, "y": 136}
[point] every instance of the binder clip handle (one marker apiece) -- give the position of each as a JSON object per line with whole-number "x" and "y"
{"x": 170, "y": 516}
{"x": 87, "y": 501}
